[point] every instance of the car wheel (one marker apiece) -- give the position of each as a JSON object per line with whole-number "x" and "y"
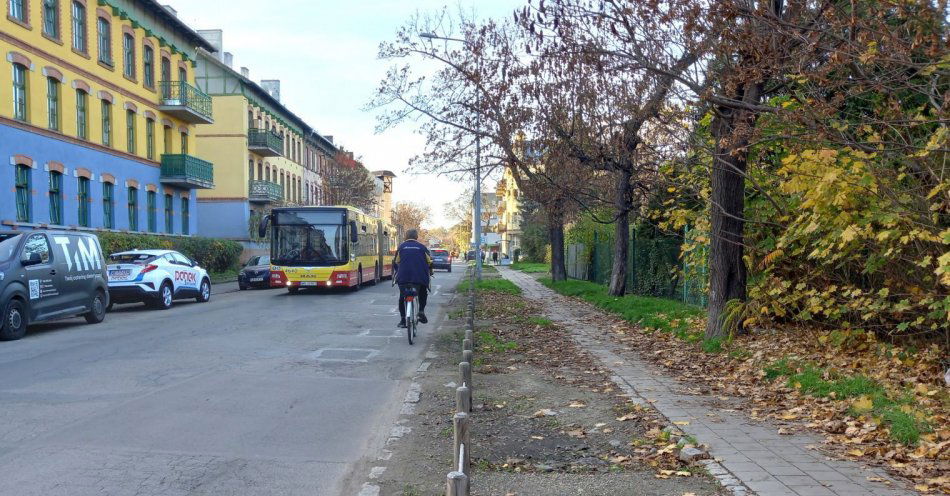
{"x": 242, "y": 287}
{"x": 450, "y": 268}
{"x": 165, "y": 296}
{"x": 98, "y": 311}
{"x": 204, "y": 292}
{"x": 14, "y": 320}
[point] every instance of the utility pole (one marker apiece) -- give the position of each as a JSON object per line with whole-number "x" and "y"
{"x": 477, "y": 213}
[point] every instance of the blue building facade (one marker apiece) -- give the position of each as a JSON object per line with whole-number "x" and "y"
{"x": 56, "y": 182}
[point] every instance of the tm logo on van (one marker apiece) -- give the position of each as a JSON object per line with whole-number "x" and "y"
{"x": 86, "y": 256}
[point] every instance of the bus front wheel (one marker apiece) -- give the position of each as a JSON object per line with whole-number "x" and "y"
{"x": 359, "y": 279}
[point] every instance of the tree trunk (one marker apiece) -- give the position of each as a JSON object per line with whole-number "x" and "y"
{"x": 727, "y": 270}
{"x": 556, "y": 233}
{"x": 618, "y": 273}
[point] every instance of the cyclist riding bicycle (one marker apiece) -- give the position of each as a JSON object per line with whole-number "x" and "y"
{"x": 413, "y": 265}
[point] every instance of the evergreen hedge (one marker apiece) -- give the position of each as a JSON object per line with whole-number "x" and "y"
{"x": 213, "y": 254}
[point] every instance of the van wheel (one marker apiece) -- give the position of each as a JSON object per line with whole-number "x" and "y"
{"x": 98, "y": 311}
{"x": 14, "y": 321}
{"x": 165, "y": 296}
{"x": 205, "y": 292}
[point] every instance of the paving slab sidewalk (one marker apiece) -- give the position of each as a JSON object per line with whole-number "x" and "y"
{"x": 752, "y": 456}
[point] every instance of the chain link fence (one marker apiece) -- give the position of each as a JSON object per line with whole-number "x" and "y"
{"x": 654, "y": 267}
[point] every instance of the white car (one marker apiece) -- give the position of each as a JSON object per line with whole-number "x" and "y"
{"x": 156, "y": 277}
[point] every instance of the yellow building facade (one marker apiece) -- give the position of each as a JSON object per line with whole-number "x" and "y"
{"x": 509, "y": 213}
{"x": 98, "y": 110}
{"x": 266, "y": 155}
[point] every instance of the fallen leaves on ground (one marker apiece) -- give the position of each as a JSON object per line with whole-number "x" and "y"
{"x": 851, "y": 428}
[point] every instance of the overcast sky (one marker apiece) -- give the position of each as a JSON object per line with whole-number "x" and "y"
{"x": 324, "y": 53}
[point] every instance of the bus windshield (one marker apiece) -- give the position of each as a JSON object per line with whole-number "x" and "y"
{"x": 310, "y": 244}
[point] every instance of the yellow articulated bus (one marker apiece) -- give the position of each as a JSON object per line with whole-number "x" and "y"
{"x": 328, "y": 247}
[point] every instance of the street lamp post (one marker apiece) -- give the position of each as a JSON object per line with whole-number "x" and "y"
{"x": 477, "y": 213}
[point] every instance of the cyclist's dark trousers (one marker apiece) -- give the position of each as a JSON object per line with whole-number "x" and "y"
{"x": 423, "y": 293}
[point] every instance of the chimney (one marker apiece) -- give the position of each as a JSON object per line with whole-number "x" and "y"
{"x": 272, "y": 87}
{"x": 171, "y": 9}
{"x": 229, "y": 59}
{"x": 246, "y": 72}
{"x": 215, "y": 38}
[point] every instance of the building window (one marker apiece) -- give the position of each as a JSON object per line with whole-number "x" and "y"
{"x": 150, "y": 139}
{"x": 79, "y": 27}
{"x": 184, "y": 143}
{"x": 104, "y": 29}
{"x": 184, "y": 216}
{"x": 166, "y": 69}
{"x": 250, "y": 169}
{"x": 148, "y": 66}
{"x": 151, "y": 199}
{"x": 52, "y": 102}
{"x": 18, "y": 10}
{"x": 130, "y": 130}
{"x": 167, "y": 132}
{"x": 84, "y": 201}
{"x": 108, "y": 205}
{"x": 23, "y": 208}
{"x": 51, "y": 18}
{"x": 169, "y": 214}
{"x": 106, "y": 123}
{"x": 128, "y": 50}
{"x": 55, "y": 198}
{"x": 19, "y": 92}
{"x": 183, "y": 74}
{"x": 133, "y": 208}
{"x": 82, "y": 123}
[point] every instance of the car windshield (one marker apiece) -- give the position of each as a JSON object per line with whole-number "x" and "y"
{"x": 264, "y": 260}
{"x": 310, "y": 244}
{"x": 8, "y": 246}
{"x": 133, "y": 258}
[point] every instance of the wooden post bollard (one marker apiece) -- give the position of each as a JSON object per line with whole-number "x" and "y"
{"x": 466, "y": 344}
{"x": 470, "y": 335}
{"x": 465, "y": 377}
{"x": 467, "y": 356}
{"x": 456, "y": 484}
{"x": 463, "y": 399}
{"x": 461, "y": 424}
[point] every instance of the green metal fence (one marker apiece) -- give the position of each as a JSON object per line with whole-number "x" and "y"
{"x": 654, "y": 267}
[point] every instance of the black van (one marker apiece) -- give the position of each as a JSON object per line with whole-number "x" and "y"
{"x": 46, "y": 275}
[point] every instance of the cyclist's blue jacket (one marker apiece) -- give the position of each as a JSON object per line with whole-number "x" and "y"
{"x": 413, "y": 263}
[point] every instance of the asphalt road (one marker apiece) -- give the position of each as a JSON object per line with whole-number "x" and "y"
{"x": 254, "y": 393}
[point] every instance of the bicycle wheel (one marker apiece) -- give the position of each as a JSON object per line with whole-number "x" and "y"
{"x": 410, "y": 320}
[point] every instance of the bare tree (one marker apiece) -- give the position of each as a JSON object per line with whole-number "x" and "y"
{"x": 347, "y": 182}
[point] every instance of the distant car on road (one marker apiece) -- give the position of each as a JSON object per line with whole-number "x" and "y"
{"x": 50, "y": 275}
{"x": 157, "y": 278}
{"x": 441, "y": 259}
{"x": 255, "y": 273}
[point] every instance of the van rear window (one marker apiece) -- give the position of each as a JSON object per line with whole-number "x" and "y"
{"x": 131, "y": 258}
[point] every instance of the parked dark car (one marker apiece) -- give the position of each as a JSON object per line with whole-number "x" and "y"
{"x": 49, "y": 275}
{"x": 255, "y": 273}
{"x": 441, "y": 259}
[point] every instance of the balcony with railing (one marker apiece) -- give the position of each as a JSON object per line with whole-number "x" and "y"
{"x": 185, "y": 102}
{"x": 259, "y": 191}
{"x": 187, "y": 171}
{"x": 265, "y": 143}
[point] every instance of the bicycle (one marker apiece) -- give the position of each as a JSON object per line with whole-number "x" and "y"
{"x": 411, "y": 314}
